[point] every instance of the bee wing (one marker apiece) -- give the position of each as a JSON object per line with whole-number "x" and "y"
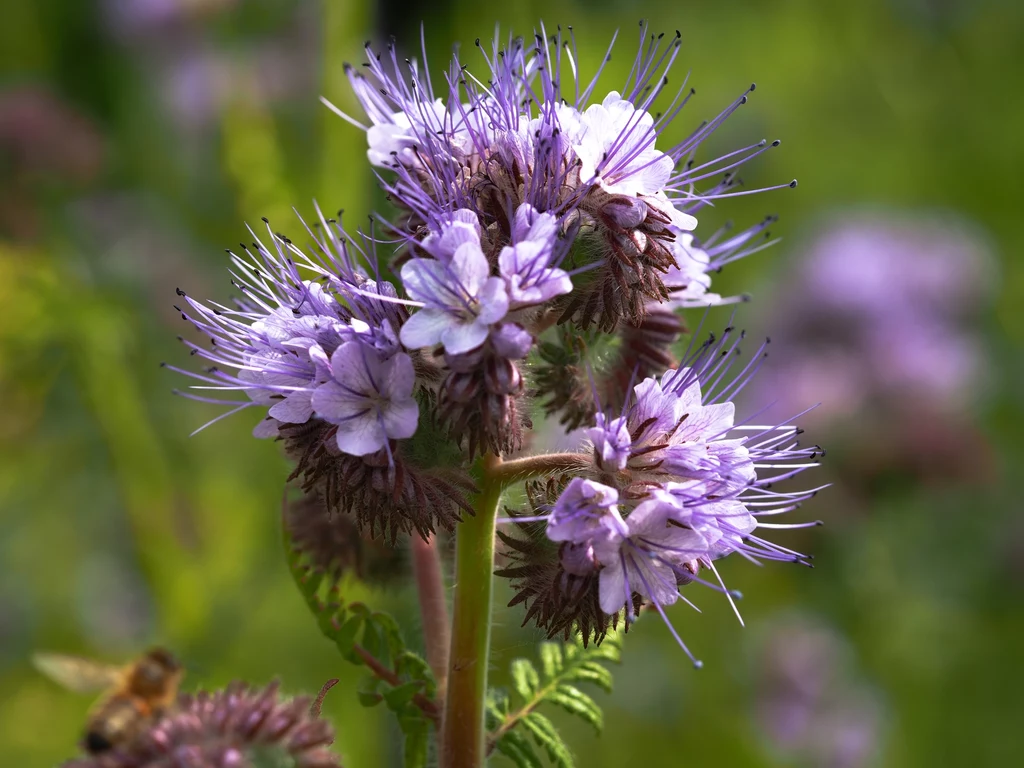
{"x": 77, "y": 674}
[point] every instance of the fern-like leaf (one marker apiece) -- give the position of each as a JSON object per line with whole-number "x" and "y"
{"x": 562, "y": 669}
{"x": 400, "y": 679}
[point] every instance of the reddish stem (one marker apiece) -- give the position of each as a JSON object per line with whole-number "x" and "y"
{"x": 430, "y": 586}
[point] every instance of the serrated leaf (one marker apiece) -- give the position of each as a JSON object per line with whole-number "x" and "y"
{"x": 518, "y": 749}
{"x": 576, "y": 702}
{"x": 345, "y": 637}
{"x": 399, "y": 696}
{"x": 498, "y": 702}
{"x": 409, "y": 664}
{"x": 525, "y": 678}
{"x": 389, "y": 632}
{"x": 551, "y": 659}
{"x": 545, "y": 734}
{"x": 373, "y": 642}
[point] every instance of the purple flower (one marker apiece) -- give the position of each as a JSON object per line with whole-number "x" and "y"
{"x": 275, "y": 344}
{"x": 612, "y": 443}
{"x": 397, "y": 136}
{"x": 527, "y": 264}
{"x": 463, "y": 226}
{"x": 811, "y": 703}
{"x": 615, "y": 147}
{"x": 529, "y": 133}
{"x": 461, "y": 300}
{"x": 647, "y": 557}
{"x": 879, "y": 311}
{"x": 370, "y": 399}
{"x": 679, "y": 485}
{"x": 688, "y": 280}
{"x": 585, "y": 510}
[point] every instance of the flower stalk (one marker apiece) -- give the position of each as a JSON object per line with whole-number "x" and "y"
{"x": 430, "y": 587}
{"x": 532, "y": 467}
{"x": 463, "y": 735}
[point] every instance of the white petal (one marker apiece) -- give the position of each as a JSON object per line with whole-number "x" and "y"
{"x": 425, "y": 328}
{"x": 493, "y": 301}
{"x": 459, "y": 338}
{"x": 361, "y": 436}
{"x": 708, "y": 422}
{"x": 423, "y": 279}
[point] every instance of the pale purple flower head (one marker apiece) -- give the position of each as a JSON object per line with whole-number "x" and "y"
{"x": 879, "y": 310}
{"x": 529, "y": 146}
{"x": 461, "y": 300}
{"x": 688, "y": 485}
{"x": 276, "y": 344}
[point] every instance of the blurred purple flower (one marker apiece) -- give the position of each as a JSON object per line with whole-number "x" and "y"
{"x": 810, "y": 703}
{"x": 879, "y": 314}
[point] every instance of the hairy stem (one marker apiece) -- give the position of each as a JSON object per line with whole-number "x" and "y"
{"x": 529, "y": 467}
{"x": 463, "y": 735}
{"x": 430, "y": 587}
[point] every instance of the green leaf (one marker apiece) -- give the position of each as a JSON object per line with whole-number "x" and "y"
{"x": 551, "y": 659}
{"x": 592, "y": 672}
{"x": 345, "y": 638}
{"x": 525, "y": 678}
{"x": 398, "y": 697}
{"x": 518, "y": 749}
{"x": 414, "y": 667}
{"x": 576, "y": 702}
{"x": 562, "y": 668}
{"x": 545, "y": 734}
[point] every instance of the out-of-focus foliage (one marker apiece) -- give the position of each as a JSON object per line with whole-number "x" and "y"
{"x": 137, "y": 136}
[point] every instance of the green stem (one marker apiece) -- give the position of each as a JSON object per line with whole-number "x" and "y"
{"x": 463, "y": 734}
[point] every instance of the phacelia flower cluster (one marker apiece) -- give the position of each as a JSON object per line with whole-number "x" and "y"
{"x": 545, "y": 244}
{"x": 674, "y": 483}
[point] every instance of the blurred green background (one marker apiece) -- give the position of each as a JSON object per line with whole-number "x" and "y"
{"x": 136, "y": 138}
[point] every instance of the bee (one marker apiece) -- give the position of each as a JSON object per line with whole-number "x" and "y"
{"x": 134, "y": 694}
